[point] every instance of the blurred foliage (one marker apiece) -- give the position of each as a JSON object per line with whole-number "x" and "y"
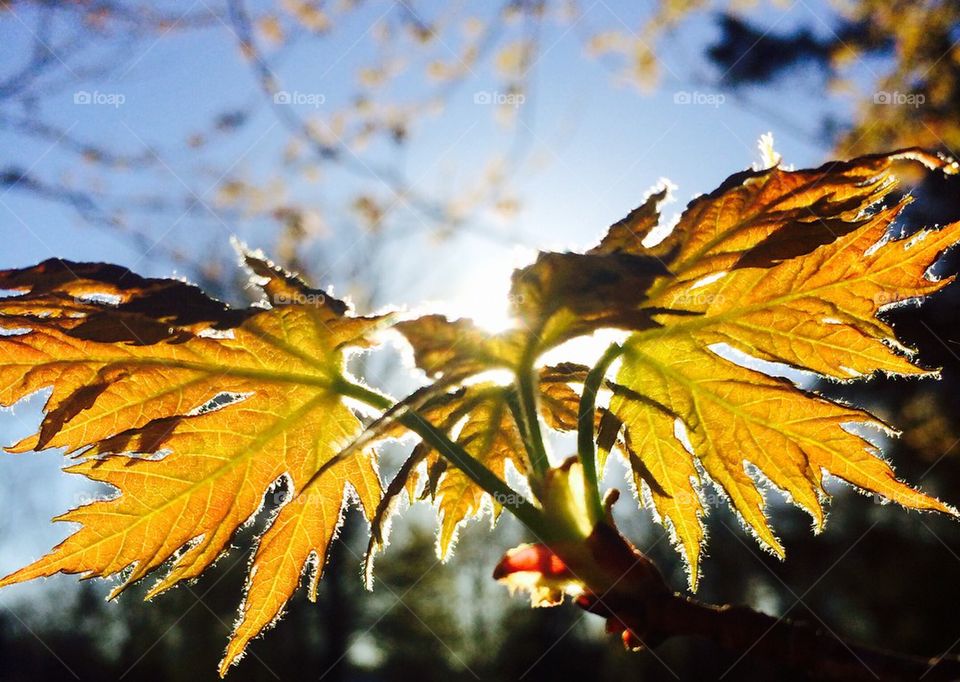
{"x": 894, "y": 64}
{"x": 897, "y": 63}
{"x": 339, "y": 152}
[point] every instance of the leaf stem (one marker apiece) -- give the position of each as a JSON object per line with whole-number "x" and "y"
{"x": 512, "y": 500}
{"x": 513, "y": 402}
{"x": 527, "y": 380}
{"x": 586, "y": 440}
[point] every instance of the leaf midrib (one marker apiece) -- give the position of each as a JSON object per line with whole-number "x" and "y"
{"x": 689, "y": 324}
{"x": 273, "y": 376}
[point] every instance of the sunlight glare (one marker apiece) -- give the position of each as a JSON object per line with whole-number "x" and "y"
{"x": 483, "y": 295}
{"x": 483, "y": 292}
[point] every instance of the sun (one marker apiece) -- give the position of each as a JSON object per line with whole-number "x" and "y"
{"x": 482, "y": 292}
{"x": 483, "y": 295}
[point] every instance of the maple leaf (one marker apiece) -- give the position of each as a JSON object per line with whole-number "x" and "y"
{"x": 492, "y": 438}
{"x": 481, "y": 417}
{"x": 784, "y": 266}
{"x": 491, "y": 435}
{"x": 458, "y": 349}
{"x": 192, "y": 427}
{"x": 565, "y": 295}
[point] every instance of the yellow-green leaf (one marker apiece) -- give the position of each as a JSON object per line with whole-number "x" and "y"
{"x": 192, "y": 425}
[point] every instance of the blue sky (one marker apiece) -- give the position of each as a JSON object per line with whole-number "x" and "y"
{"x": 597, "y": 145}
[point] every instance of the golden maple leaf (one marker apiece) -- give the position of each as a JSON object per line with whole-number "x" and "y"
{"x": 192, "y": 428}
{"x": 479, "y": 416}
{"x": 783, "y": 266}
{"x": 482, "y": 418}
